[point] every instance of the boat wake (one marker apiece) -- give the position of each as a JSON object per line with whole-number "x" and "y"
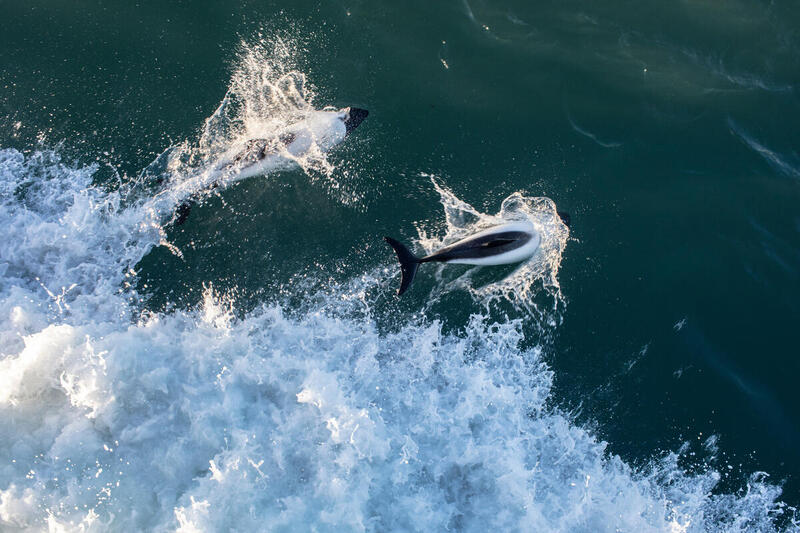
{"x": 117, "y": 418}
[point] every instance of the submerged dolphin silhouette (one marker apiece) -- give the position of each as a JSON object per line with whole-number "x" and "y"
{"x": 499, "y": 245}
{"x": 323, "y": 129}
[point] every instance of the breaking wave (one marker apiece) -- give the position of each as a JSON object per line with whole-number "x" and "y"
{"x": 116, "y": 418}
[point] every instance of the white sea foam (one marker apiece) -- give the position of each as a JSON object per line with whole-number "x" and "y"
{"x": 117, "y": 420}
{"x": 268, "y": 95}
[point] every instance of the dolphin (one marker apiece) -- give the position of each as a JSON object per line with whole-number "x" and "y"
{"x": 499, "y": 245}
{"x": 321, "y": 128}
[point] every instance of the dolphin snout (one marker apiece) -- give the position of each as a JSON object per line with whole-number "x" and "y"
{"x": 355, "y": 116}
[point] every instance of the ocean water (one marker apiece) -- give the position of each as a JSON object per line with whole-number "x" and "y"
{"x": 253, "y": 370}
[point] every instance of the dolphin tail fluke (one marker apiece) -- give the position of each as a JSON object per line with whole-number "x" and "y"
{"x": 409, "y": 263}
{"x": 355, "y": 116}
{"x": 565, "y": 218}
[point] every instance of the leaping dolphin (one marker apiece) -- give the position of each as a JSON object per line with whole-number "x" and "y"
{"x": 323, "y": 129}
{"x": 500, "y": 245}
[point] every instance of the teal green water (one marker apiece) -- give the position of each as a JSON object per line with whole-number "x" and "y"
{"x": 669, "y": 131}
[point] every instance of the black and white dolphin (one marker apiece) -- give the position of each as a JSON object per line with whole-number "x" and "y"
{"x": 499, "y": 245}
{"x": 323, "y": 129}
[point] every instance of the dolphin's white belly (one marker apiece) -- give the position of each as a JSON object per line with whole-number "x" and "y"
{"x": 265, "y": 166}
{"x": 323, "y": 130}
{"x": 314, "y": 135}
